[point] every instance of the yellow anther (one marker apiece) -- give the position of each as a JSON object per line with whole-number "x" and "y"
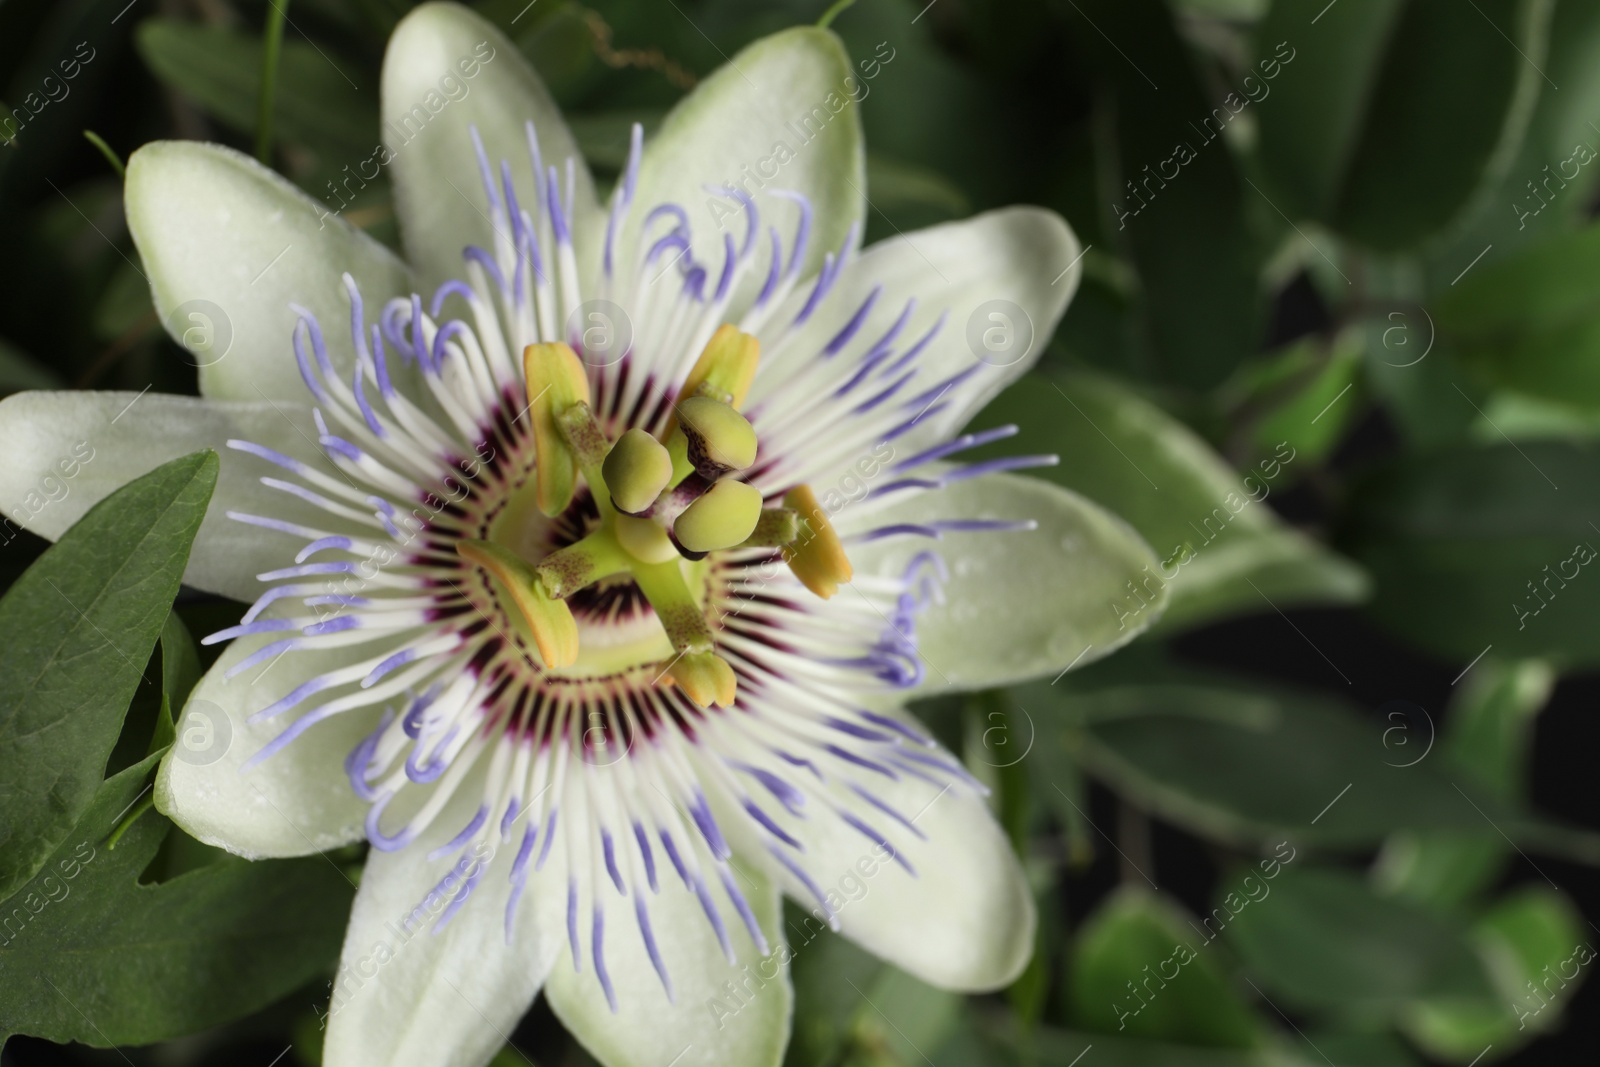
{"x": 556, "y": 381}
{"x": 644, "y": 540}
{"x": 722, "y": 518}
{"x": 550, "y": 621}
{"x": 719, "y": 438}
{"x": 816, "y": 557}
{"x": 636, "y": 470}
{"x": 726, "y": 367}
{"x": 705, "y": 678}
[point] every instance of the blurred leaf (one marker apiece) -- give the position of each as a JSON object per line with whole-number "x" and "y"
{"x": 1212, "y": 530}
{"x": 1099, "y": 328}
{"x": 220, "y": 69}
{"x": 1533, "y": 943}
{"x": 124, "y": 301}
{"x": 849, "y": 1003}
{"x": 1317, "y": 402}
{"x": 1487, "y": 735}
{"x": 825, "y": 1006}
{"x": 561, "y": 43}
{"x": 1176, "y": 192}
{"x": 925, "y": 107}
{"x": 1281, "y": 766}
{"x": 603, "y": 136}
{"x": 1523, "y": 418}
{"x": 65, "y": 680}
{"x": 1373, "y": 172}
{"x": 1368, "y": 1050}
{"x": 1322, "y": 939}
{"x": 1531, "y": 322}
{"x": 1228, "y": 9}
{"x": 1539, "y": 194}
{"x": 904, "y": 1017}
{"x": 1475, "y": 547}
{"x": 1049, "y": 1047}
{"x": 1139, "y": 968}
{"x": 105, "y": 961}
{"x": 893, "y": 185}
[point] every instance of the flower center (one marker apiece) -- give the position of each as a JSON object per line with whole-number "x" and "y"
{"x": 661, "y": 507}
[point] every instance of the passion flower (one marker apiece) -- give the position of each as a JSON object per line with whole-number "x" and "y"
{"x": 592, "y": 558}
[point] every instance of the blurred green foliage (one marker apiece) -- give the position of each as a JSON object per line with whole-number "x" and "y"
{"x": 1308, "y": 227}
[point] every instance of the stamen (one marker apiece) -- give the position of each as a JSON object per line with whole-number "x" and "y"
{"x": 704, "y": 676}
{"x": 818, "y": 560}
{"x": 554, "y": 630}
{"x": 775, "y": 528}
{"x": 722, "y": 517}
{"x": 726, "y": 367}
{"x": 636, "y": 471}
{"x": 556, "y": 381}
{"x": 719, "y": 439}
{"x": 644, "y": 539}
{"x": 570, "y": 569}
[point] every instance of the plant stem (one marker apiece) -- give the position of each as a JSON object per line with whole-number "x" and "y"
{"x": 105, "y": 150}
{"x": 277, "y": 14}
{"x": 833, "y": 12}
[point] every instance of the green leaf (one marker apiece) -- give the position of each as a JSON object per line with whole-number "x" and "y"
{"x": 1525, "y": 418}
{"x": 76, "y": 631}
{"x": 1314, "y": 401}
{"x": 1471, "y": 547}
{"x": 893, "y": 184}
{"x": 180, "y": 670}
{"x": 847, "y": 1002}
{"x": 1369, "y": 1050}
{"x": 96, "y": 957}
{"x": 1254, "y": 766}
{"x": 1323, "y": 939}
{"x": 603, "y": 136}
{"x": 1534, "y": 945}
{"x": 1175, "y": 190}
{"x": 824, "y": 969}
{"x": 1531, "y": 322}
{"x": 904, "y": 1017}
{"x": 1487, "y": 735}
{"x": 1140, "y": 968}
{"x": 1212, "y": 529}
{"x": 1050, "y": 1047}
{"x": 317, "y": 103}
{"x": 1546, "y": 188}
{"x": 1373, "y": 98}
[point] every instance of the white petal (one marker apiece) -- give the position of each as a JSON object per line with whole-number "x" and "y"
{"x": 107, "y": 439}
{"x": 294, "y": 803}
{"x": 439, "y": 193}
{"x": 228, "y": 245}
{"x": 1001, "y": 280}
{"x": 731, "y": 127}
{"x": 719, "y": 1015}
{"x": 1018, "y": 604}
{"x": 412, "y": 992}
{"x": 964, "y": 920}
